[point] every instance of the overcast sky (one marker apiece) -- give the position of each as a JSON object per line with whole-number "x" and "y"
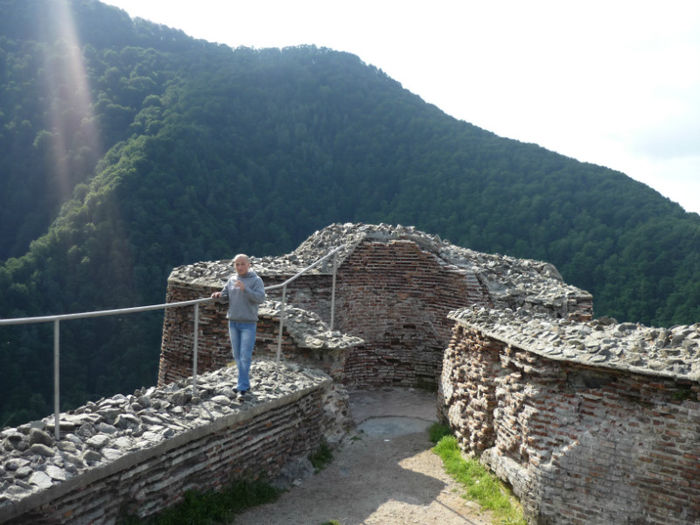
{"x": 611, "y": 82}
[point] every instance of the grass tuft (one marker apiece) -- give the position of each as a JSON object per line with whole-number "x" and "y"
{"x": 437, "y": 431}
{"x": 481, "y": 486}
{"x": 211, "y": 507}
{"x": 322, "y": 457}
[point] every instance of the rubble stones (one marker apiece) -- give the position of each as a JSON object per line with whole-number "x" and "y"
{"x": 31, "y": 460}
{"x": 91, "y": 457}
{"x": 41, "y": 450}
{"x": 98, "y": 441}
{"x": 307, "y": 329}
{"x": 673, "y": 352}
{"x": 511, "y": 282}
{"x": 40, "y": 480}
{"x": 15, "y": 463}
{"x": 39, "y": 436}
{"x": 56, "y": 473}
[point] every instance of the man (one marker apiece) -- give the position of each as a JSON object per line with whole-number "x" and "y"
{"x": 244, "y": 292}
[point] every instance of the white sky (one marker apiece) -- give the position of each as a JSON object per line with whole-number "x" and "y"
{"x": 611, "y": 82}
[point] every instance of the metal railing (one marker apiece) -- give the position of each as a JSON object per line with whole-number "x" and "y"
{"x": 56, "y": 319}
{"x": 283, "y": 285}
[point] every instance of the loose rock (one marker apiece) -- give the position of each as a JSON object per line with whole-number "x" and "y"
{"x": 33, "y": 461}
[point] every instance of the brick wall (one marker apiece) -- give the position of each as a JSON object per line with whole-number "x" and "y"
{"x": 214, "y": 347}
{"x": 579, "y": 444}
{"x": 310, "y": 292}
{"x": 393, "y": 295}
{"x": 396, "y": 297}
{"x": 250, "y": 444}
{"x": 176, "y": 355}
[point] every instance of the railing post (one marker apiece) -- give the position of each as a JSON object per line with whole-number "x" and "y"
{"x": 194, "y": 352}
{"x": 279, "y": 336}
{"x": 56, "y": 386}
{"x": 335, "y": 271}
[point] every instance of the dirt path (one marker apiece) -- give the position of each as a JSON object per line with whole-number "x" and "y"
{"x": 384, "y": 473}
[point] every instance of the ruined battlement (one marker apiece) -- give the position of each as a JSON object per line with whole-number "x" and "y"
{"x": 139, "y": 453}
{"x": 395, "y": 288}
{"x": 664, "y": 352}
{"x": 589, "y": 420}
{"x": 507, "y": 281}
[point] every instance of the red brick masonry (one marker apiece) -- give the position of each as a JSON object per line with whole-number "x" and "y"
{"x": 579, "y": 444}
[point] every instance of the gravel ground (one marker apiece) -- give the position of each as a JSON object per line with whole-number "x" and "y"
{"x": 383, "y": 473}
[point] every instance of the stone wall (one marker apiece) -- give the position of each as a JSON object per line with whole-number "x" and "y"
{"x": 589, "y": 422}
{"x": 396, "y": 297}
{"x": 394, "y": 289}
{"x": 177, "y": 343}
{"x": 140, "y": 453}
{"x": 306, "y": 339}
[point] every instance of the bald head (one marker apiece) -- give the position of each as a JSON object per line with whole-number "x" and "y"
{"x": 242, "y": 264}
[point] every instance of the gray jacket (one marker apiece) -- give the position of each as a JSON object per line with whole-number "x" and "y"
{"x": 243, "y": 305}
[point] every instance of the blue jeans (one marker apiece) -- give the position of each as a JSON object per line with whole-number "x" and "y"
{"x": 242, "y": 342}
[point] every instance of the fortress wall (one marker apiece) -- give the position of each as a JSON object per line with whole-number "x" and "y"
{"x": 330, "y": 360}
{"x": 394, "y": 289}
{"x": 392, "y": 295}
{"x": 214, "y": 348}
{"x": 176, "y": 355}
{"x": 578, "y": 443}
{"x": 581, "y": 441}
{"x": 396, "y": 297}
{"x": 144, "y": 460}
{"x": 310, "y": 292}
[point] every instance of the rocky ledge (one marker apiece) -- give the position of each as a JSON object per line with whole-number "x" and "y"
{"x": 510, "y": 281}
{"x": 669, "y": 352}
{"x": 307, "y": 329}
{"x": 100, "y": 432}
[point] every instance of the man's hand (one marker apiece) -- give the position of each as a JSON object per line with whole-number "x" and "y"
{"x": 216, "y": 295}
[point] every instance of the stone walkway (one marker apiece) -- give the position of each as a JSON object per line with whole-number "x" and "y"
{"x": 383, "y": 473}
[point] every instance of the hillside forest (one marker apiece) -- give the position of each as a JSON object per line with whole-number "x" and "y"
{"x": 128, "y": 148}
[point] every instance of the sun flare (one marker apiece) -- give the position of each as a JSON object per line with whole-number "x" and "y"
{"x": 72, "y": 140}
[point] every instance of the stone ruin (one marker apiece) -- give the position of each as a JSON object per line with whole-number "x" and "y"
{"x": 589, "y": 420}
{"x": 395, "y": 287}
{"x": 627, "y": 347}
{"x": 139, "y": 453}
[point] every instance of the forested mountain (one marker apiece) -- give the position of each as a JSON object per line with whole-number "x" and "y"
{"x": 128, "y": 148}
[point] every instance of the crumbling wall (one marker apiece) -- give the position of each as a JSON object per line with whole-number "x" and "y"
{"x": 395, "y": 286}
{"x": 393, "y": 296}
{"x": 396, "y": 297}
{"x": 579, "y": 442}
{"x": 139, "y": 454}
{"x": 305, "y": 340}
{"x": 307, "y": 292}
{"x": 177, "y": 343}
